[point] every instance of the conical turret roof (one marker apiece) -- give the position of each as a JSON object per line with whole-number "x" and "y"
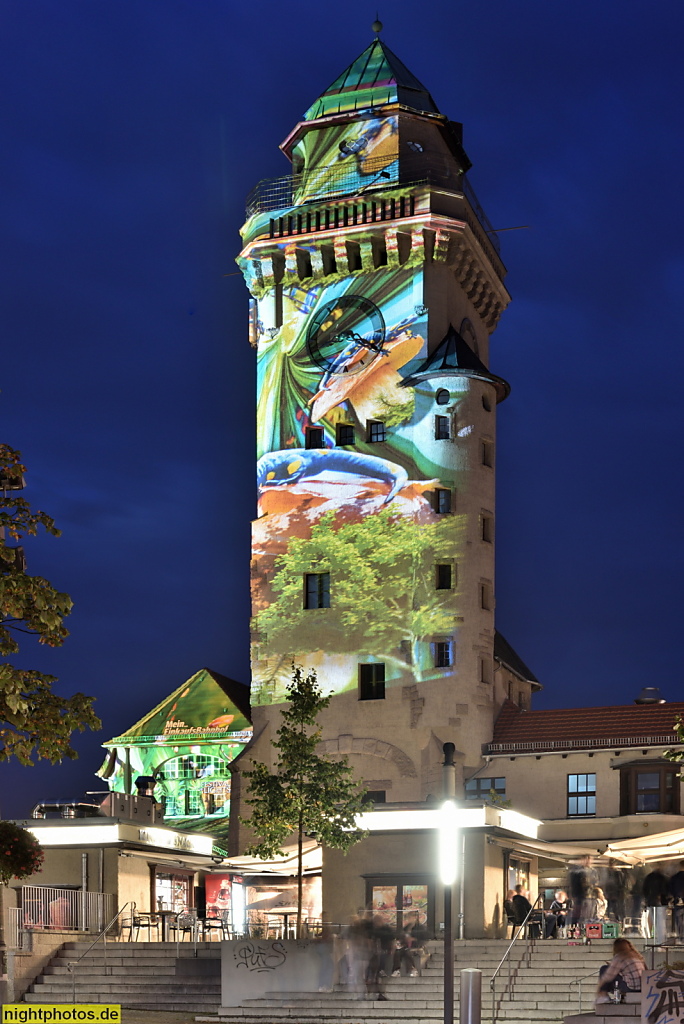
{"x": 454, "y": 357}
{"x": 375, "y": 78}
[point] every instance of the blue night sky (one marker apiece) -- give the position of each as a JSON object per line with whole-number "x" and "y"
{"x": 132, "y": 132}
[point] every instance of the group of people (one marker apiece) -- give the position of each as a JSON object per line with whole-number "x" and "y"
{"x": 376, "y": 951}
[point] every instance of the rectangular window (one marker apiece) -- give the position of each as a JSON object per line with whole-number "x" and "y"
{"x": 649, "y": 789}
{"x": 487, "y": 453}
{"x": 376, "y": 431}
{"x": 443, "y": 656}
{"x": 345, "y": 433}
{"x": 487, "y": 522}
{"x": 375, "y": 796}
{"x": 406, "y": 648}
{"x": 485, "y": 670}
{"x": 442, "y": 428}
{"x": 486, "y": 596}
{"x": 442, "y": 501}
{"x": 581, "y": 795}
{"x": 443, "y": 576}
{"x": 482, "y": 789}
{"x": 317, "y": 590}
{"x": 372, "y": 681}
{"x": 314, "y": 437}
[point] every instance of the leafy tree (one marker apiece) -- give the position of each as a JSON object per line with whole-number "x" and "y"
{"x": 306, "y": 793}
{"x": 384, "y": 592}
{"x": 34, "y": 721}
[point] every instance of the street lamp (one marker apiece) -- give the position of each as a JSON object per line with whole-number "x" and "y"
{"x": 448, "y": 836}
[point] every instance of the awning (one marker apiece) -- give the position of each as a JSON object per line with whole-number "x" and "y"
{"x": 646, "y": 849}
{"x": 287, "y": 865}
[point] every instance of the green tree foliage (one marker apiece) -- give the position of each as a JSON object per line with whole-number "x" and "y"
{"x": 383, "y": 578}
{"x": 306, "y": 793}
{"x": 34, "y": 721}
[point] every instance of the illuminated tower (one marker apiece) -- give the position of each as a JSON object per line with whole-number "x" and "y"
{"x": 376, "y": 282}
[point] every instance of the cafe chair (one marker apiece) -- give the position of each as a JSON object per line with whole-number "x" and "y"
{"x": 185, "y": 923}
{"x": 220, "y": 924}
{"x": 142, "y": 920}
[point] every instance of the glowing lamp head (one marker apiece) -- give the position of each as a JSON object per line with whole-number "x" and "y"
{"x": 448, "y": 835}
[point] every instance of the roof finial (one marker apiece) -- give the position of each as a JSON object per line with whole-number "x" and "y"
{"x": 377, "y": 25}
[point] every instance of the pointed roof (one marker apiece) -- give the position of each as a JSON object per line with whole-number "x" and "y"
{"x": 454, "y": 357}
{"x": 504, "y": 653}
{"x": 207, "y": 706}
{"x": 375, "y": 78}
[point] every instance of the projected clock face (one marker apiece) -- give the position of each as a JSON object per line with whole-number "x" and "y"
{"x": 346, "y": 335}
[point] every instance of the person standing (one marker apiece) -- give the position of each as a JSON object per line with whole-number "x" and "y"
{"x": 676, "y": 888}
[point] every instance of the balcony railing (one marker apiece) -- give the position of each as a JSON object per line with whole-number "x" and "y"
{"x": 376, "y": 174}
{"x": 618, "y": 742}
{"x": 44, "y": 907}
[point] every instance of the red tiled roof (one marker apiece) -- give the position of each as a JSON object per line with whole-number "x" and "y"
{"x": 617, "y": 725}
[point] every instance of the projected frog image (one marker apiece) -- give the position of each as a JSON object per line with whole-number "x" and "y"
{"x": 348, "y": 487}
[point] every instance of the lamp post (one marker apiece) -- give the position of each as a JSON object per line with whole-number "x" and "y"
{"x": 448, "y": 836}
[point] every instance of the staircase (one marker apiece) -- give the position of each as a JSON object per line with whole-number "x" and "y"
{"x": 147, "y": 975}
{"x": 138, "y": 975}
{"x": 542, "y": 992}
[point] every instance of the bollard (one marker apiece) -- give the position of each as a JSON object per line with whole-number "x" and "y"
{"x": 471, "y": 996}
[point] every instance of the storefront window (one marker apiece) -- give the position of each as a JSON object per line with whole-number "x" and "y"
{"x": 172, "y": 891}
{"x": 402, "y": 904}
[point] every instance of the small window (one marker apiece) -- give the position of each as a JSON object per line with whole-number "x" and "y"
{"x": 345, "y": 433}
{"x": 486, "y": 596}
{"x": 317, "y": 590}
{"x": 376, "y": 431}
{"x": 444, "y": 576}
{"x": 442, "y": 501}
{"x": 482, "y": 789}
{"x": 314, "y": 437}
{"x": 442, "y": 428}
{"x": 581, "y": 795}
{"x": 487, "y": 523}
{"x": 486, "y": 403}
{"x": 442, "y": 397}
{"x": 406, "y": 648}
{"x": 374, "y": 796}
{"x": 443, "y": 654}
{"x": 487, "y": 453}
{"x": 372, "y": 681}
{"x": 653, "y": 788}
{"x": 485, "y": 670}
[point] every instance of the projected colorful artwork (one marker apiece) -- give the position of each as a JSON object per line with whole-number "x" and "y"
{"x": 349, "y": 473}
{"x": 187, "y": 744}
{"x": 347, "y": 157}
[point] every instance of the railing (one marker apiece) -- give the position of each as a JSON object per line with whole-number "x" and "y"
{"x": 523, "y": 930}
{"x": 578, "y": 982}
{"x": 44, "y": 907}
{"x": 326, "y": 183}
{"x": 659, "y": 740}
{"x": 73, "y": 964}
{"x": 16, "y": 933}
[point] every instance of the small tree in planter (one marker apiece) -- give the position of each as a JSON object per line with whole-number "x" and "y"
{"x": 307, "y": 793}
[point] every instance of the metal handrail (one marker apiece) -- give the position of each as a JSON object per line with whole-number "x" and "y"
{"x": 73, "y": 964}
{"x": 506, "y": 958}
{"x": 578, "y": 982}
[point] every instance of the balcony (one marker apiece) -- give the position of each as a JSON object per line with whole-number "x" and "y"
{"x": 360, "y": 182}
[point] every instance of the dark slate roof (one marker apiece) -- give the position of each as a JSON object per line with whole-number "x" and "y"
{"x": 504, "y": 653}
{"x": 622, "y": 725}
{"x": 454, "y": 357}
{"x": 375, "y": 78}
